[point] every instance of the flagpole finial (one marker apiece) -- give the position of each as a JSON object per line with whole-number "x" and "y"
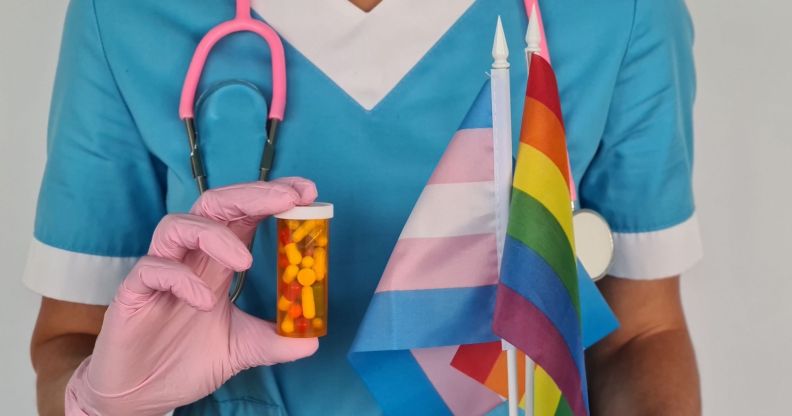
{"x": 500, "y": 50}
{"x": 533, "y": 36}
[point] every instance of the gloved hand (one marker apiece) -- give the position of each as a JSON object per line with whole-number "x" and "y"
{"x": 171, "y": 336}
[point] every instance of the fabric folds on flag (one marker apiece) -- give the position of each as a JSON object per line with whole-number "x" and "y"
{"x": 438, "y": 289}
{"x": 538, "y": 307}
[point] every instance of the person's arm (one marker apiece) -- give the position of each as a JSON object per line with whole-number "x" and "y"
{"x": 64, "y": 336}
{"x": 640, "y": 180}
{"x": 98, "y": 172}
{"x": 647, "y": 367}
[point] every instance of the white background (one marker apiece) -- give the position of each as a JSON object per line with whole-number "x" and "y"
{"x": 737, "y": 300}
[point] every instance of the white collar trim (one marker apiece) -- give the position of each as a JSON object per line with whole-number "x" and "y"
{"x": 365, "y": 54}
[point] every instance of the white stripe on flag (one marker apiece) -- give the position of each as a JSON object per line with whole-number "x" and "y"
{"x": 450, "y": 210}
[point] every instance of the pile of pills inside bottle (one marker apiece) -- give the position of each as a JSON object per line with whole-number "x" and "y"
{"x": 303, "y": 240}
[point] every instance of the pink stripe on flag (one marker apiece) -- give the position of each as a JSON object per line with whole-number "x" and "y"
{"x": 441, "y": 263}
{"x": 468, "y": 158}
{"x": 462, "y": 394}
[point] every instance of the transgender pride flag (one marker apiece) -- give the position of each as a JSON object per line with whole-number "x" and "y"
{"x": 438, "y": 289}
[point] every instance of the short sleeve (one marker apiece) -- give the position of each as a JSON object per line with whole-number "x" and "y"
{"x": 640, "y": 178}
{"x": 102, "y": 191}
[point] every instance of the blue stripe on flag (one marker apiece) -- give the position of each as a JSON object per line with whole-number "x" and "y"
{"x": 528, "y": 274}
{"x": 503, "y": 410}
{"x": 398, "y": 383}
{"x": 480, "y": 114}
{"x": 598, "y": 318}
{"x": 402, "y": 320}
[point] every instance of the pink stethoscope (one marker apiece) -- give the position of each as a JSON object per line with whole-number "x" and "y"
{"x": 242, "y": 22}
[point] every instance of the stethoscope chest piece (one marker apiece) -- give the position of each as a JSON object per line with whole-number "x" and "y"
{"x": 593, "y": 242}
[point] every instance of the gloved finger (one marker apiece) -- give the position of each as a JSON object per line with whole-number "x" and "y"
{"x": 177, "y": 234}
{"x": 249, "y": 202}
{"x": 254, "y": 342}
{"x": 154, "y": 274}
{"x": 304, "y": 187}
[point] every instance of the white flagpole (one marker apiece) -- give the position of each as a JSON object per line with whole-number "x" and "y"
{"x": 502, "y": 138}
{"x": 533, "y": 40}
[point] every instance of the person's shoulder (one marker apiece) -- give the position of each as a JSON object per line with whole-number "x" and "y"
{"x": 146, "y": 34}
{"x": 134, "y": 18}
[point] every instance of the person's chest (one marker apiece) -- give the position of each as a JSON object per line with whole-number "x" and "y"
{"x": 373, "y": 98}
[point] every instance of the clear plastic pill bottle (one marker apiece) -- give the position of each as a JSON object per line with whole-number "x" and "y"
{"x": 303, "y": 242}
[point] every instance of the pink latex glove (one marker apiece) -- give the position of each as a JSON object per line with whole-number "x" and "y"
{"x": 171, "y": 336}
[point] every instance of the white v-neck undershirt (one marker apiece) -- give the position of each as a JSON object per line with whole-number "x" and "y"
{"x": 365, "y": 53}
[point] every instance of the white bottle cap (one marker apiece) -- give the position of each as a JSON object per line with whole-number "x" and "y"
{"x": 315, "y": 211}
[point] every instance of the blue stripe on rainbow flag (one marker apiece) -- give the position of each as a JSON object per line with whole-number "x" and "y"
{"x": 544, "y": 289}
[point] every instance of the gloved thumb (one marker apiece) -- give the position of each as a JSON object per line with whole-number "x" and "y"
{"x": 255, "y": 342}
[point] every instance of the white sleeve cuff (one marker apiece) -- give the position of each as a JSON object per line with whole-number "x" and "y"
{"x": 74, "y": 277}
{"x": 657, "y": 254}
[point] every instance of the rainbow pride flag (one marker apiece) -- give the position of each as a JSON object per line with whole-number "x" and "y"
{"x": 538, "y": 307}
{"x": 486, "y": 363}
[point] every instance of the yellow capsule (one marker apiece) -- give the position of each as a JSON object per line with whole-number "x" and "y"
{"x": 313, "y": 236}
{"x": 320, "y": 263}
{"x": 290, "y": 272}
{"x": 293, "y": 253}
{"x": 321, "y": 241}
{"x": 292, "y": 224}
{"x": 303, "y": 230}
{"x": 307, "y": 262}
{"x": 287, "y": 326}
{"x": 308, "y": 305}
{"x": 306, "y": 277}
{"x": 317, "y": 323}
{"x": 284, "y": 304}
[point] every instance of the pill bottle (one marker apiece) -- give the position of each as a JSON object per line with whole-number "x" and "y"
{"x": 303, "y": 242}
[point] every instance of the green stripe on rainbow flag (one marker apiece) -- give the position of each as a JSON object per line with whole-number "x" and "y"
{"x": 536, "y": 227}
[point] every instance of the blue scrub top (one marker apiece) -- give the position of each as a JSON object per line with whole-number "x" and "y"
{"x": 118, "y": 157}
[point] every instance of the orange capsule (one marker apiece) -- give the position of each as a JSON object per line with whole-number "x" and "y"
{"x": 295, "y": 310}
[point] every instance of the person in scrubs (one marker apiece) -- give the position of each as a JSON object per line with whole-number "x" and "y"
{"x": 376, "y": 91}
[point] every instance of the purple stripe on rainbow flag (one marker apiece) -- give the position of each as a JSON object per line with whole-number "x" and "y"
{"x": 544, "y": 289}
{"x": 535, "y": 335}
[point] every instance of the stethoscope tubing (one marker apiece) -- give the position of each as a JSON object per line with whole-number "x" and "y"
{"x": 242, "y": 22}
